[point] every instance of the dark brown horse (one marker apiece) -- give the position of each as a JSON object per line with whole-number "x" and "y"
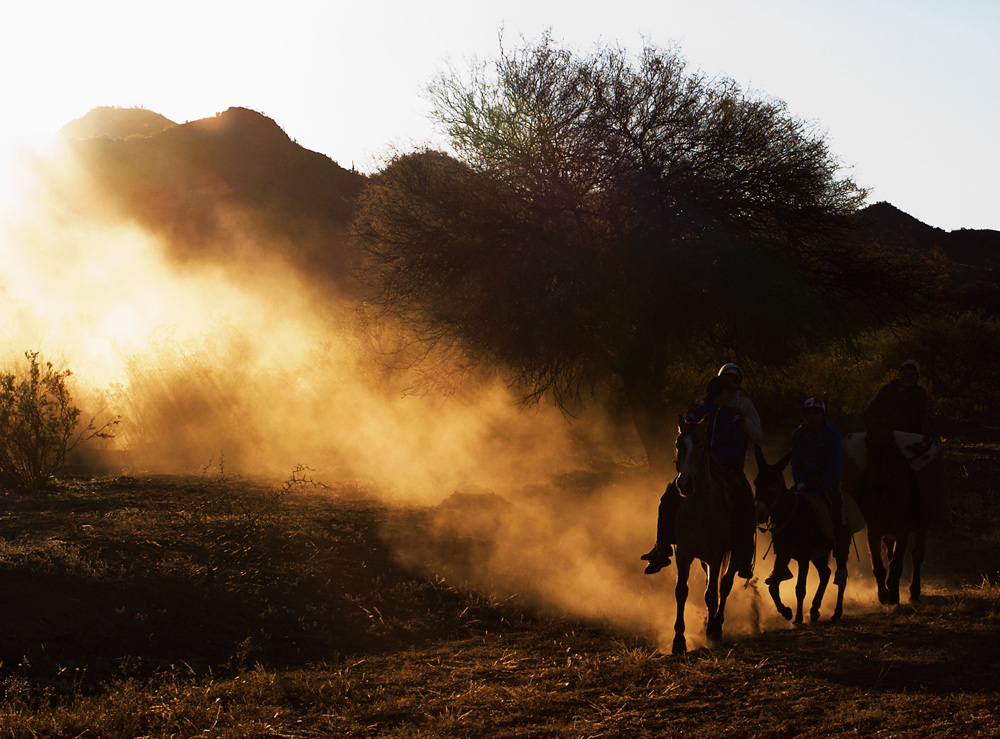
{"x": 796, "y": 534}
{"x": 703, "y": 531}
{"x": 889, "y": 498}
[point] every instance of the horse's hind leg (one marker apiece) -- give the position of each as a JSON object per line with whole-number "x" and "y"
{"x": 800, "y": 588}
{"x": 681, "y": 594}
{"x": 896, "y": 570}
{"x": 878, "y": 566}
{"x": 713, "y": 629}
{"x": 823, "y": 568}
{"x": 774, "y": 588}
{"x": 917, "y": 558}
{"x": 725, "y": 587}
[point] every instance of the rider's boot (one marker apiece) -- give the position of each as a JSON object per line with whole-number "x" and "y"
{"x": 658, "y": 557}
{"x": 779, "y": 575}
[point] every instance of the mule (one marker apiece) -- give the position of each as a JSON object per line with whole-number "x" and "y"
{"x": 889, "y": 500}
{"x": 796, "y": 534}
{"x": 703, "y": 525}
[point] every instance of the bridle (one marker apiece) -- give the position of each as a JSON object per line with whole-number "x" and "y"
{"x": 773, "y": 526}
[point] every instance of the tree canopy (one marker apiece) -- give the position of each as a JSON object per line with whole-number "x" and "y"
{"x": 603, "y": 216}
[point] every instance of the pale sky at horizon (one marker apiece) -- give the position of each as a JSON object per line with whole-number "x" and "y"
{"x": 906, "y": 90}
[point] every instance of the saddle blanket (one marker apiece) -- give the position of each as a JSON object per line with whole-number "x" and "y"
{"x": 821, "y": 508}
{"x": 925, "y": 457}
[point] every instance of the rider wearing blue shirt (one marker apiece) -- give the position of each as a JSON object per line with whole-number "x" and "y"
{"x": 723, "y": 431}
{"x": 818, "y": 460}
{"x": 817, "y": 464}
{"x": 726, "y": 439}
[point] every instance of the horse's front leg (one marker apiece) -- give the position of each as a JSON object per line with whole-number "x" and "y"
{"x": 822, "y": 566}
{"x": 680, "y": 595}
{"x": 896, "y": 569}
{"x": 800, "y": 587}
{"x": 917, "y": 557}
{"x": 878, "y": 566}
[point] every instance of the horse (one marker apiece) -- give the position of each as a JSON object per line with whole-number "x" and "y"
{"x": 889, "y": 499}
{"x": 796, "y": 534}
{"x": 703, "y": 531}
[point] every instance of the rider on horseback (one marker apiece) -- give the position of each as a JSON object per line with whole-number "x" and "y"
{"x": 725, "y": 436}
{"x": 899, "y": 406}
{"x": 817, "y": 464}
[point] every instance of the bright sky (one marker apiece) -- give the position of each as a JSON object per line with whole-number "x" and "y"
{"x": 906, "y": 89}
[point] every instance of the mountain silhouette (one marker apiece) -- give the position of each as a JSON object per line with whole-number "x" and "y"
{"x": 972, "y": 256}
{"x": 116, "y": 123}
{"x": 228, "y": 187}
{"x": 195, "y": 181}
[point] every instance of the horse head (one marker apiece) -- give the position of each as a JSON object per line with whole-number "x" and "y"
{"x": 769, "y": 483}
{"x": 692, "y": 452}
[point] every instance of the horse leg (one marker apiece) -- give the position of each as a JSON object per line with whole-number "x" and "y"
{"x": 713, "y": 629}
{"x": 917, "y": 557}
{"x": 680, "y": 595}
{"x": 725, "y": 587}
{"x": 823, "y": 568}
{"x": 896, "y": 569}
{"x": 800, "y": 588}
{"x": 878, "y": 566}
{"x": 774, "y": 588}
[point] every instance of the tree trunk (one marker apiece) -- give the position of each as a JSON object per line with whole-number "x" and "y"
{"x": 652, "y": 420}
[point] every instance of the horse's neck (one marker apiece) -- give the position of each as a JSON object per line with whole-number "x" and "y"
{"x": 784, "y": 499}
{"x": 706, "y": 488}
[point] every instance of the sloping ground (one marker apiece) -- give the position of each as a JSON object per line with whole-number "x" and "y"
{"x": 168, "y": 606}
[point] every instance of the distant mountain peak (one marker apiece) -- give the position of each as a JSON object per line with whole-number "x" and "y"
{"x": 117, "y": 123}
{"x": 241, "y": 122}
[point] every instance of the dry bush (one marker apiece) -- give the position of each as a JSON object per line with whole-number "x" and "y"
{"x": 39, "y": 424}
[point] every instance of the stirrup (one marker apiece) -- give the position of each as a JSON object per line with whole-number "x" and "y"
{"x": 657, "y": 561}
{"x": 777, "y": 577}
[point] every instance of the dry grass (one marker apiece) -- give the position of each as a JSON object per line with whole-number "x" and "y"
{"x": 166, "y": 607}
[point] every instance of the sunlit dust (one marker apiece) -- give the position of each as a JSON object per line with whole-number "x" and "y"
{"x": 239, "y": 360}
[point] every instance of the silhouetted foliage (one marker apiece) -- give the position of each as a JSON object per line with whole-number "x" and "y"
{"x": 609, "y": 215}
{"x": 39, "y": 425}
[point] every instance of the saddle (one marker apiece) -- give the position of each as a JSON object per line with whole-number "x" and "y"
{"x": 728, "y": 480}
{"x": 824, "y": 517}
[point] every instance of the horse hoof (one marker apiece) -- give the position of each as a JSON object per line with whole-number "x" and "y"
{"x": 813, "y": 616}
{"x": 680, "y": 646}
{"x": 883, "y": 597}
{"x": 798, "y": 619}
{"x": 836, "y": 616}
{"x": 787, "y": 613}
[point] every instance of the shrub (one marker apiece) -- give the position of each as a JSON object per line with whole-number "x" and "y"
{"x": 39, "y": 425}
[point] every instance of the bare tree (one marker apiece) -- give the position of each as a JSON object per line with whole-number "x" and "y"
{"x": 606, "y": 216}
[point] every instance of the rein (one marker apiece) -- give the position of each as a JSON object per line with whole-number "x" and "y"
{"x": 774, "y": 528}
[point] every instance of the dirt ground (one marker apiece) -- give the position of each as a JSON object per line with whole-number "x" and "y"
{"x": 165, "y": 606}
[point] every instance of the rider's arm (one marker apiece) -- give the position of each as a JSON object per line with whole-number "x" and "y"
{"x": 875, "y": 413}
{"x": 751, "y": 422}
{"x": 697, "y": 413}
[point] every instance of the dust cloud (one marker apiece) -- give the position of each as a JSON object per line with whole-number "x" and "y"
{"x": 242, "y": 357}
{"x": 245, "y": 360}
